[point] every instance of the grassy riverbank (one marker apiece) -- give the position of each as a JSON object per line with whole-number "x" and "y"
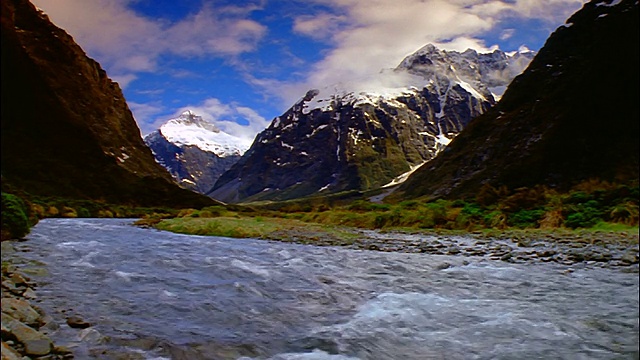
{"x": 235, "y": 225}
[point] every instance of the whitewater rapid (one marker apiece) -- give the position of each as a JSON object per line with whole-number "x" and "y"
{"x": 157, "y": 295}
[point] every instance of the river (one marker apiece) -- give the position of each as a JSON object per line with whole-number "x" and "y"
{"x": 157, "y": 295}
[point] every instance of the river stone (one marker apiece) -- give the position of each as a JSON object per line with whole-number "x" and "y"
{"x": 77, "y": 322}
{"x": 34, "y": 342}
{"x": 8, "y": 353}
{"x": 21, "y": 310}
{"x": 629, "y": 258}
{"x": 91, "y": 335}
{"x": 9, "y": 285}
{"x": 29, "y": 294}
{"x": 38, "y": 347}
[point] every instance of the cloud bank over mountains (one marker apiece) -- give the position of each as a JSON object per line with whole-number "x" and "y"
{"x": 348, "y": 40}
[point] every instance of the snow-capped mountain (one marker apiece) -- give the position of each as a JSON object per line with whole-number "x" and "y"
{"x": 336, "y": 139}
{"x": 581, "y": 87}
{"x": 194, "y": 150}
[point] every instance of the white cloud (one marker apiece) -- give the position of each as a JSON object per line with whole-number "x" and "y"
{"x": 507, "y": 34}
{"x": 321, "y": 26}
{"x": 123, "y": 80}
{"x": 144, "y": 113}
{"x": 370, "y": 35}
{"x": 127, "y": 42}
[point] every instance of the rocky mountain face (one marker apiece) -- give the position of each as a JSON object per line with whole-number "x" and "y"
{"x": 572, "y": 115}
{"x": 66, "y": 128}
{"x": 336, "y": 140}
{"x": 195, "y": 151}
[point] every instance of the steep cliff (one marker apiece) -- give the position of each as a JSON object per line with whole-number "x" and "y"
{"x": 66, "y": 128}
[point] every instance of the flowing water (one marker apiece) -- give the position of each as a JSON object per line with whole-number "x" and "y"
{"x": 158, "y": 295}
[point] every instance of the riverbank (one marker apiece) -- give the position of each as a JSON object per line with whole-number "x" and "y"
{"x": 25, "y": 326}
{"x": 563, "y": 246}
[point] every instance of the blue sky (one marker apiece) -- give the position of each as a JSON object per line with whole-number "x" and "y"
{"x": 240, "y": 63}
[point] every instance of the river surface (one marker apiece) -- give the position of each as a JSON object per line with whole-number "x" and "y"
{"x": 157, "y": 295}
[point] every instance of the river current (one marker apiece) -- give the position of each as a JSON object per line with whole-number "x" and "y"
{"x": 157, "y": 295}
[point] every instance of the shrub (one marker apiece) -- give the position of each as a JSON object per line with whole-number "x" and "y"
{"x": 15, "y": 223}
{"x": 83, "y": 213}
{"x": 53, "y": 211}
{"x": 626, "y": 213}
{"x": 495, "y": 219}
{"x": 186, "y": 212}
{"x": 525, "y": 198}
{"x": 551, "y": 219}
{"x": 526, "y": 218}
{"x": 470, "y": 216}
{"x": 584, "y": 217}
{"x": 213, "y": 211}
{"x": 69, "y": 212}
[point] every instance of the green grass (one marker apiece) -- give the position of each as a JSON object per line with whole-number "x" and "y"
{"x": 261, "y": 228}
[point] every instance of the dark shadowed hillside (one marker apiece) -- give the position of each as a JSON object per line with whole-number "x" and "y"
{"x": 66, "y": 128}
{"x": 572, "y": 115}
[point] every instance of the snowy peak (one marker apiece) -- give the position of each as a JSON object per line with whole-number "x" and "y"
{"x": 482, "y": 75}
{"x": 484, "y": 72}
{"x": 189, "y": 118}
{"x": 189, "y": 129}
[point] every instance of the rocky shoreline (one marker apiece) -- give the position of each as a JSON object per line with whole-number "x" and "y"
{"x": 26, "y": 328}
{"x": 601, "y": 249}
{"x": 24, "y": 325}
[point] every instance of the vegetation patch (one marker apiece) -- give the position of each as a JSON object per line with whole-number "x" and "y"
{"x": 15, "y": 220}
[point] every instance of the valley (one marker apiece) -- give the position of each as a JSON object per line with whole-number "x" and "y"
{"x": 463, "y": 204}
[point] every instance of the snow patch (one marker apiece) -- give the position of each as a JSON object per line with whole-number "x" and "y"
{"x": 403, "y": 177}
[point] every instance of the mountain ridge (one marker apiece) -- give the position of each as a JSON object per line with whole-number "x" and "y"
{"x": 579, "y": 91}
{"x": 333, "y": 140}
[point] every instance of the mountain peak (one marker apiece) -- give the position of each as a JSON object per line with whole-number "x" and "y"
{"x": 363, "y": 135}
{"x": 188, "y": 117}
{"x": 189, "y": 129}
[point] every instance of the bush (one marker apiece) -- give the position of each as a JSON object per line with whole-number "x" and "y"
{"x": 526, "y": 218}
{"x": 470, "y": 216}
{"x": 15, "y": 223}
{"x": 583, "y": 216}
{"x": 84, "y": 213}
{"x": 495, "y": 219}
{"x": 434, "y": 214}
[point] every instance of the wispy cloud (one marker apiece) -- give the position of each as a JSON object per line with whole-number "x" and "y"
{"x": 126, "y": 42}
{"x": 144, "y": 113}
{"x": 369, "y": 35}
{"x": 322, "y": 26}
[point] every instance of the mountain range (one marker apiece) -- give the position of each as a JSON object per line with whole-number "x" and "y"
{"x": 571, "y": 116}
{"x": 334, "y": 139}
